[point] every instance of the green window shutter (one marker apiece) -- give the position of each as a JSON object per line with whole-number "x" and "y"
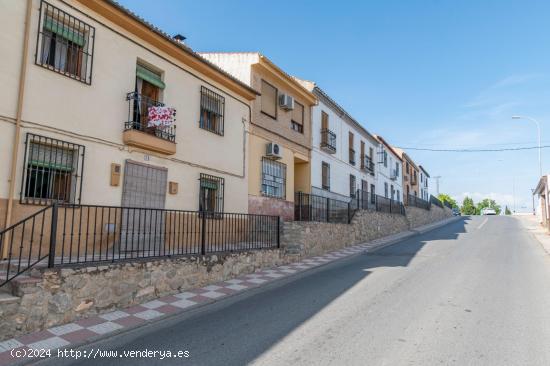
{"x": 51, "y": 165}
{"x": 209, "y": 184}
{"x": 149, "y": 76}
{"x": 64, "y": 31}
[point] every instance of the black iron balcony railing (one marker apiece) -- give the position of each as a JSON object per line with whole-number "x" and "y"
{"x": 328, "y": 140}
{"x": 368, "y": 164}
{"x": 352, "y": 156}
{"x": 138, "y": 117}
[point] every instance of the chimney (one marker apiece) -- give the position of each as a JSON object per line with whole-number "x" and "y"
{"x": 179, "y": 38}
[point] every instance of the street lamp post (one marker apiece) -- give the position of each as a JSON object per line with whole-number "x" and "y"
{"x": 538, "y": 132}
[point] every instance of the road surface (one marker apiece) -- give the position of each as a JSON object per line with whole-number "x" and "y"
{"x": 475, "y": 292}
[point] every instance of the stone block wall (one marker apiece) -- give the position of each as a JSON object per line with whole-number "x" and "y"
{"x": 63, "y": 295}
{"x": 314, "y": 238}
{"x": 418, "y": 216}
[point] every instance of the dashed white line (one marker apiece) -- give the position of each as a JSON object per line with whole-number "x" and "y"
{"x": 483, "y": 223}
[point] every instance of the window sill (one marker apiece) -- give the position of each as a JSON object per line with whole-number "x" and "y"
{"x": 269, "y": 115}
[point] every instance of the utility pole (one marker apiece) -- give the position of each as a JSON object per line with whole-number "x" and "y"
{"x": 437, "y": 184}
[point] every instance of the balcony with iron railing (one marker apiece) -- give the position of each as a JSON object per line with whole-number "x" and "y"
{"x": 367, "y": 164}
{"x": 328, "y": 141}
{"x": 141, "y": 131}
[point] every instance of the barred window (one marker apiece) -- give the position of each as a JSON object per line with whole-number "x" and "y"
{"x": 211, "y": 193}
{"x": 273, "y": 178}
{"x": 212, "y": 111}
{"x": 352, "y": 185}
{"x": 52, "y": 171}
{"x": 325, "y": 168}
{"x": 65, "y": 44}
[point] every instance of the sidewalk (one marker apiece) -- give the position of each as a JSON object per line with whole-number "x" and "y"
{"x": 533, "y": 226}
{"x": 95, "y": 327}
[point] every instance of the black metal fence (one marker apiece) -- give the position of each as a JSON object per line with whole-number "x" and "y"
{"x": 435, "y": 201}
{"x": 77, "y": 234}
{"x": 417, "y": 202}
{"x": 310, "y": 207}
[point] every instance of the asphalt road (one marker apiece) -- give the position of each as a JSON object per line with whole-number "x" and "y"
{"x": 475, "y": 292}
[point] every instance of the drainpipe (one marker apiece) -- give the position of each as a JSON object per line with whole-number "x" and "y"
{"x": 19, "y": 112}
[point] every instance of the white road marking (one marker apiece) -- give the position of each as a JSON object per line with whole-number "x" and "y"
{"x": 483, "y": 223}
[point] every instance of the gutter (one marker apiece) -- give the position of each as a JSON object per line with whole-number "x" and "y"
{"x": 19, "y": 112}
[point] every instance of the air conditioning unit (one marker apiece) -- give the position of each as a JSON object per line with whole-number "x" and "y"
{"x": 286, "y": 102}
{"x": 273, "y": 151}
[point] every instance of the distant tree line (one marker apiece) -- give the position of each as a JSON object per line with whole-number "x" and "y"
{"x": 470, "y": 208}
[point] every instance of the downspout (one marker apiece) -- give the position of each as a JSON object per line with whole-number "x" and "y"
{"x": 19, "y": 112}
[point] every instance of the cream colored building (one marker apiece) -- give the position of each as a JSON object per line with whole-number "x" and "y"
{"x": 281, "y": 120}
{"x": 76, "y": 124}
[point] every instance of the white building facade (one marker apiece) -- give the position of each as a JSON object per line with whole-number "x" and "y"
{"x": 343, "y": 152}
{"x": 389, "y": 174}
{"x": 424, "y": 184}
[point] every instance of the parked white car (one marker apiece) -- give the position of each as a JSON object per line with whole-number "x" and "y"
{"x": 488, "y": 211}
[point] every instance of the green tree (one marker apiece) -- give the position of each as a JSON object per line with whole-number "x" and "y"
{"x": 487, "y": 203}
{"x": 468, "y": 206}
{"x": 507, "y": 211}
{"x": 446, "y": 198}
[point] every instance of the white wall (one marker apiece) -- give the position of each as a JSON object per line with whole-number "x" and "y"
{"x": 340, "y": 169}
{"x": 384, "y": 174}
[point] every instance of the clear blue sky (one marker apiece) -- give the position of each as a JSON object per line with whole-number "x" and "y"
{"x": 433, "y": 73}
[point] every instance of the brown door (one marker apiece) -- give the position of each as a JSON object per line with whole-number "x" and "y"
{"x": 149, "y": 97}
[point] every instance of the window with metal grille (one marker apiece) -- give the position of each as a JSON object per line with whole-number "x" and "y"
{"x": 52, "y": 171}
{"x": 325, "y": 176}
{"x": 211, "y": 193}
{"x": 372, "y": 194}
{"x": 212, "y": 111}
{"x": 386, "y": 189}
{"x": 352, "y": 185}
{"x": 65, "y": 44}
{"x": 297, "y": 118}
{"x": 273, "y": 178}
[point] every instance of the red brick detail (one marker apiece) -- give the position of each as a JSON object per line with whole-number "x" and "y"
{"x": 271, "y": 206}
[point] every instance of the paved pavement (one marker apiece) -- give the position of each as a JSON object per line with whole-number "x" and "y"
{"x": 475, "y": 292}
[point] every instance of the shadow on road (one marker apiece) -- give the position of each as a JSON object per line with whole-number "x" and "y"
{"x": 238, "y": 333}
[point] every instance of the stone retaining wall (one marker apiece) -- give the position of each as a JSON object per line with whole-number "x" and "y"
{"x": 306, "y": 239}
{"x": 66, "y": 294}
{"x": 62, "y": 295}
{"x": 418, "y": 216}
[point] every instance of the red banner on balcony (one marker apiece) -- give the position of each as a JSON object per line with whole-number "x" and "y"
{"x": 161, "y": 116}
